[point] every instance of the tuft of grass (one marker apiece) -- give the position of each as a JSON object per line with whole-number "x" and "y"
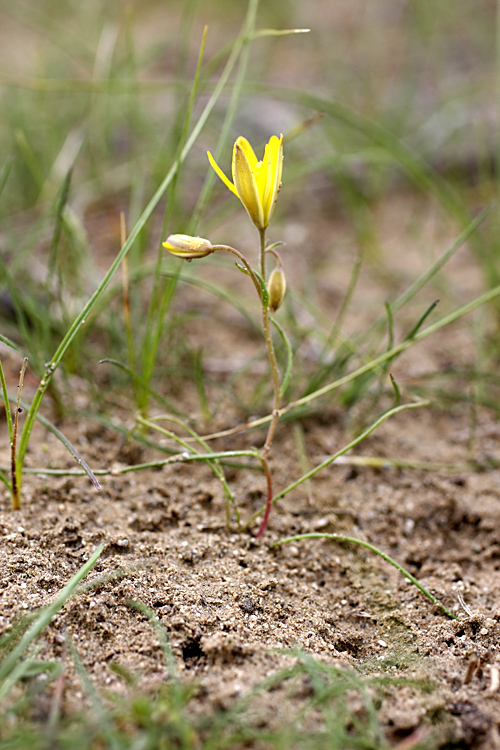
{"x": 52, "y": 363}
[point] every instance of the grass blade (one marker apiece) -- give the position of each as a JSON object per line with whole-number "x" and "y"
{"x": 352, "y": 444}
{"x": 134, "y": 234}
{"x": 372, "y": 548}
{"x": 44, "y": 618}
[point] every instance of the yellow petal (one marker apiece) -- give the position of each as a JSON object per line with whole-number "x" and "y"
{"x": 271, "y": 177}
{"x": 245, "y": 182}
{"x": 256, "y": 183}
{"x": 221, "y": 174}
{"x": 245, "y": 146}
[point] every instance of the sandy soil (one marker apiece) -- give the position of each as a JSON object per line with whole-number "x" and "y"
{"x": 226, "y": 600}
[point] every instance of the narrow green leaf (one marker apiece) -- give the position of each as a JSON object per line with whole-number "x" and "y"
{"x": 390, "y": 326}
{"x": 421, "y": 321}
{"x": 351, "y": 540}
{"x": 397, "y": 392}
{"x": 9, "y": 663}
{"x": 6, "y": 401}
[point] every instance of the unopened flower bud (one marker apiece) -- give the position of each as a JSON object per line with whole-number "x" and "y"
{"x": 276, "y": 287}
{"x": 184, "y": 246}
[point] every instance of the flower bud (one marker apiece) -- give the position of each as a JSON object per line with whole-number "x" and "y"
{"x": 184, "y": 246}
{"x": 276, "y": 287}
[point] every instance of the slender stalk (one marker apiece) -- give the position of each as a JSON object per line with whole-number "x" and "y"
{"x": 276, "y": 383}
{"x": 269, "y": 498}
{"x": 13, "y": 446}
{"x": 8, "y": 413}
{"x": 270, "y": 352}
{"x": 380, "y": 463}
{"x": 260, "y": 286}
{"x": 126, "y": 307}
{"x": 274, "y": 367}
{"x": 126, "y": 296}
{"x": 184, "y": 457}
{"x": 246, "y": 264}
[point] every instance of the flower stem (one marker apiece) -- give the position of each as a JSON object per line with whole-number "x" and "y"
{"x": 276, "y": 383}
{"x": 272, "y": 361}
{"x": 245, "y": 263}
{"x": 270, "y": 351}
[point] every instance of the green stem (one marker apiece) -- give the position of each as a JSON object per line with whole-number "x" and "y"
{"x": 244, "y": 261}
{"x": 6, "y": 401}
{"x": 175, "y": 458}
{"x": 270, "y": 351}
{"x": 276, "y": 384}
{"x": 260, "y": 287}
{"x": 372, "y": 548}
{"x": 269, "y": 498}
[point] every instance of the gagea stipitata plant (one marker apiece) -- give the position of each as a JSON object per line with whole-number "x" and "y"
{"x": 257, "y": 184}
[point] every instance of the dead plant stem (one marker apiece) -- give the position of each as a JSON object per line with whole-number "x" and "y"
{"x": 16, "y": 504}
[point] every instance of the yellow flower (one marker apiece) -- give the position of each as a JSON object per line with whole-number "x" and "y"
{"x": 256, "y": 183}
{"x": 184, "y": 246}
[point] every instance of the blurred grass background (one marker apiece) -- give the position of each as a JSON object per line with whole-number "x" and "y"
{"x": 94, "y": 100}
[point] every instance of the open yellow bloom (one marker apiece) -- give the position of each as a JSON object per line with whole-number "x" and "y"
{"x": 187, "y": 247}
{"x": 256, "y": 183}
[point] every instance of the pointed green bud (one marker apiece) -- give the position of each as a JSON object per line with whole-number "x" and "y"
{"x": 276, "y": 287}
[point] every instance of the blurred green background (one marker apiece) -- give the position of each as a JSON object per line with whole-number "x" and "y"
{"x": 390, "y": 115}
